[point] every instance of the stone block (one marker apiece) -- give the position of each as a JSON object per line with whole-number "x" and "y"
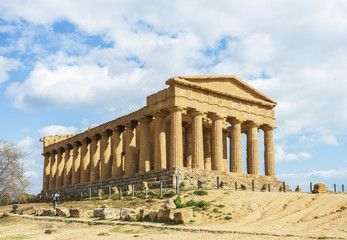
{"x": 106, "y": 213}
{"x": 15, "y": 207}
{"x": 265, "y": 188}
{"x": 63, "y": 212}
{"x": 114, "y": 190}
{"x": 39, "y": 212}
{"x": 153, "y": 215}
{"x": 320, "y": 188}
{"x": 48, "y": 212}
{"x": 183, "y": 215}
{"x": 80, "y": 213}
{"x": 169, "y": 203}
{"x": 165, "y": 214}
{"x": 297, "y": 189}
{"x": 144, "y": 185}
{"x": 127, "y": 213}
{"x": 143, "y": 213}
{"x": 185, "y": 184}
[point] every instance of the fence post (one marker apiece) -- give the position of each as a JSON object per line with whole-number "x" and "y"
{"x": 343, "y": 188}
{"x": 81, "y": 195}
{"x": 146, "y": 192}
{"x": 284, "y": 186}
{"x": 90, "y": 194}
{"x": 161, "y": 189}
{"x": 334, "y": 187}
{"x": 120, "y": 193}
{"x": 177, "y": 185}
{"x": 109, "y": 191}
{"x": 311, "y": 187}
{"x": 268, "y": 186}
{"x": 133, "y": 187}
{"x": 235, "y": 186}
{"x": 217, "y": 182}
{"x": 47, "y": 197}
{"x": 253, "y": 185}
{"x": 198, "y": 184}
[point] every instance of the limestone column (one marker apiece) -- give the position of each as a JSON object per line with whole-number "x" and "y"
{"x": 176, "y": 150}
{"x": 95, "y": 158}
{"x": 130, "y": 149}
{"x": 252, "y": 149}
{"x": 159, "y": 141}
{"x": 68, "y": 166}
{"x": 269, "y": 153}
{"x": 235, "y": 146}
{"x": 117, "y": 148}
{"x": 46, "y": 172}
{"x": 207, "y": 148}
{"x": 53, "y": 161}
{"x": 60, "y": 168}
{"x": 217, "y": 143}
{"x": 197, "y": 140}
{"x": 105, "y": 155}
{"x": 189, "y": 145}
{"x": 76, "y": 165}
{"x": 85, "y": 160}
{"x": 225, "y": 151}
{"x": 144, "y": 159}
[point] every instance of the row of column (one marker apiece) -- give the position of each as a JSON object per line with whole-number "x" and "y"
{"x": 94, "y": 159}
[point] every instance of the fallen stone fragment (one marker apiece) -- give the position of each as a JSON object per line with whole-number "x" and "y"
{"x": 183, "y": 216}
{"x": 320, "y": 188}
{"x": 63, "y": 212}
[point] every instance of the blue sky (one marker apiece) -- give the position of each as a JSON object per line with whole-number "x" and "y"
{"x": 66, "y": 65}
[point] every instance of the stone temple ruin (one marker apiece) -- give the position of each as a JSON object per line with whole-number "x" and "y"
{"x": 185, "y": 126}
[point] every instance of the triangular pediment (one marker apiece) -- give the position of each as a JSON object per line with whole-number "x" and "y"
{"x": 227, "y": 84}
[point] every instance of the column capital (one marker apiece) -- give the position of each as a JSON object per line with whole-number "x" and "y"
{"x": 252, "y": 125}
{"x": 131, "y": 125}
{"x": 176, "y": 109}
{"x": 106, "y": 133}
{"x": 195, "y": 113}
{"x": 119, "y": 129}
{"x": 46, "y": 154}
{"x": 76, "y": 144}
{"x": 146, "y": 118}
{"x": 68, "y": 146}
{"x": 267, "y": 127}
{"x": 86, "y": 140}
{"x": 61, "y": 149}
{"x": 53, "y": 151}
{"x": 161, "y": 114}
{"x": 214, "y": 117}
{"x": 235, "y": 120}
{"x": 95, "y": 137}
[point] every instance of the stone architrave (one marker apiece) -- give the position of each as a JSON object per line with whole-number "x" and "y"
{"x": 197, "y": 140}
{"x": 176, "y": 150}
{"x": 130, "y": 149}
{"x": 46, "y": 172}
{"x": 85, "y": 160}
{"x": 207, "y": 148}
{"x": 144, "y": 158}
{"x": 76, "y": 163}
{"x": 269, "y": 153}
{"x": 159, "y": 141}
{"x": 117, "y": 147}
{"x": 53, "y": 162}
{"x": 95, "y": 158}
{"x": 217, "y": 143}
{"x": 252, "y": 149}
{"x": 235, "y": 146}
{"x": 105, "y": 155}
{"x": 68, "y": 166}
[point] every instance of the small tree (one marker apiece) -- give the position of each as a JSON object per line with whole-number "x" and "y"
{"x": 12, "y": 179}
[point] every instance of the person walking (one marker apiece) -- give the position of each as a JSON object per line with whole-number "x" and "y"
{"x": 56, "y": 200}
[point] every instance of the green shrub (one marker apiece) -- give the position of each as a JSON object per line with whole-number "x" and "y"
{"x": 221, "y": 205}
{"x": 228, "y": 218}
{"x": 200, "y": 192}
{"x": 197, "y": 205}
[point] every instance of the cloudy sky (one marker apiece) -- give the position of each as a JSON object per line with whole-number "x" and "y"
{"x": 66, "y": 65}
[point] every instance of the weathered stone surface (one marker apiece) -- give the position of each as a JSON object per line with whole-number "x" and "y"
{"x": 15, "y": 207}
{"x": 114, "y": 190}
{"x": 127, "y": 213}
{"x": 26, "y": 210}
{"x": 50, "y": 230}
{"x": 80, "y": 213}
{"x": 48, "y": 212}
{"x": 320, "y": 188}
{"x": 144, "y": 212}
{"x": 297, "y": 189}
{"x": 39, "y": 212}
{"x": 153, "y": 215}
{"x": 4, "y": 215}
{"x": 169, "y": 203}
{"x": 106, "y": 213}
{"x": 165, "y": 214}
{"x": 63, "y": 212}
{"x": 129, "y": 189}
{"x": 183, "y": 215}
{"x": 144, "y": 185}
{"x": 265, "y": 188}
{"x": 184, "y": 184}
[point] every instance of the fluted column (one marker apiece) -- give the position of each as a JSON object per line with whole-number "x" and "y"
{"x": 197, "y": 140}
{"x": 159, "y": 141}
{"x": 207, "y": 148}
{"x": 176, "y": 150}
{"x": 76, "y": 165}
{"x": 105, "y": 155}
{"x": 252, "y": 149}
{"x": 217, "y": 143}
{"x": 117, "y": 149}
{"x": 235, "y": 146}
{"x": 85, "y": 160}
{"x": 46, "y": 172}
{"x": 60, "y": 168}
{"x": 130, "y": 149}
{"x": 53, "y": 161}
{"x": 225, "y": 151}
{"x": 269, "y": 153}
{"x": 68, "y": 166}
{"x": 95, "y": 158}
{"x": 188, "y": 145}
{"x": 144, "y": 159}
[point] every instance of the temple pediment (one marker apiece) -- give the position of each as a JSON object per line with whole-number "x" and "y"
{"x": 228, "y": 85}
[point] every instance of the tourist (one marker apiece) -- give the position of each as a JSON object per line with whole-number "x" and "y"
{"x": 56, "y": 200}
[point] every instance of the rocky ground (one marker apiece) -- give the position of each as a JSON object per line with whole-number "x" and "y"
{"x": 231, "y": 215}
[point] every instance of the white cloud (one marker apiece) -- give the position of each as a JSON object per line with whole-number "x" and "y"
{"x": 281, "y": 155}
{"x": 57, "y": 129}
{"x": 7, "y": 65}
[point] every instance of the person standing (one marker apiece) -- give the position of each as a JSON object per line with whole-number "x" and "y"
{"x": 56, "y": 200}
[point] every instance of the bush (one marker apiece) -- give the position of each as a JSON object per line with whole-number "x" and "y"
{"x": 200, "y": 192}
{"x": 197, "y": 205}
